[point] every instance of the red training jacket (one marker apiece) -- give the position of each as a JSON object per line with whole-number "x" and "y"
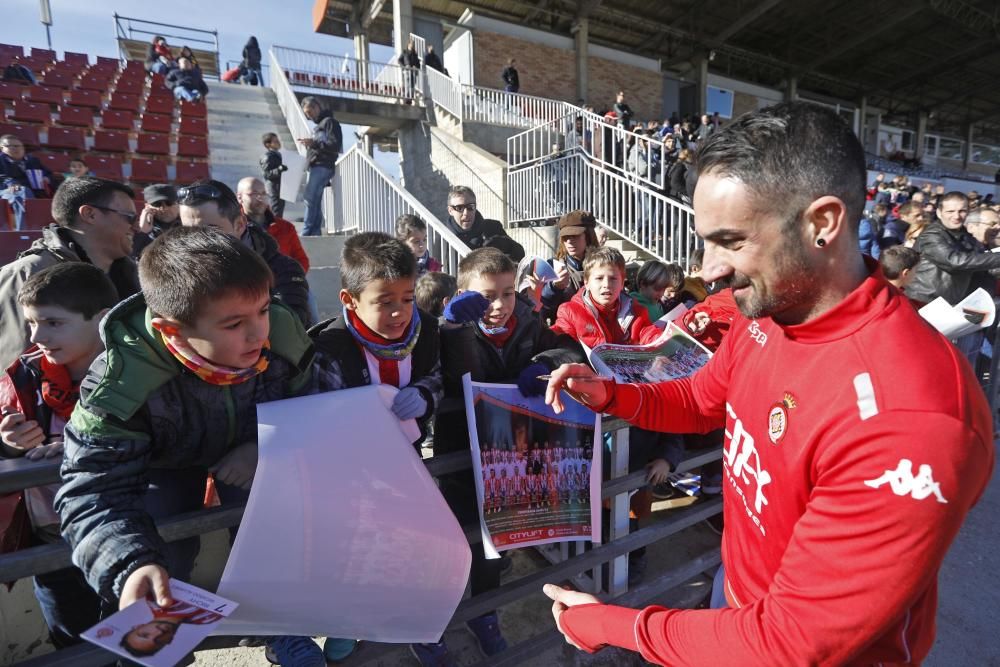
{"x": 855, "y": 445}
{"x": 721, "y": 310}
{"x": 288, "y": 241}
{"x": 580, "y": 320}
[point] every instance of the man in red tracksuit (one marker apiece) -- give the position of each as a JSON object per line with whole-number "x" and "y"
{"x": 849, "y": 463}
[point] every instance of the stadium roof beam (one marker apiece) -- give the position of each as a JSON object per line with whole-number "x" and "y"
{"x": 863, "y": 37}
{"x": 371, "y": 12}
{"x": 732, "y": 29}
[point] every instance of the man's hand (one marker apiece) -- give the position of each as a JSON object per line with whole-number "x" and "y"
{"x": 49, "y": 451}
{"x": 146, "y": 219}
{"x": 237, "y": 467}
{"x": 698, "y": 323}
{"x": 148, "y": 580}
{"x": 580, "y": 382}
{"x": 563, "y": 599}
{"x": 306, "y": 142}
{"x": 562, "y": 277}
{"x": 20, "y": 433}
{"x": 657, "y": 471}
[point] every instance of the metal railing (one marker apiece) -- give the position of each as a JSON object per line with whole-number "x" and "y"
{"x": 444, "y": 92}
{"x": 364, "y": 78}
{"x": 571, "y": 180}
{"x": 131, "y": 28}
{"x": 295, "y": 118}
{"x": 489, "y": 196}
{"x": 419, "y": 45}
{"x": 581, "y": 567}
{"x": 366, "y": 199}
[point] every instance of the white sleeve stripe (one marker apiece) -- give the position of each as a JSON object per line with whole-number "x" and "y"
{"x": 867, "y": 406}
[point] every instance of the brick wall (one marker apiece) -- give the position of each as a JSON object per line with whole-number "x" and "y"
{"x": 643, "y": 88}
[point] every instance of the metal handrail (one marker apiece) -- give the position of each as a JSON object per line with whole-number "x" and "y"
{"x": 295, "y": 118}
{"x": 364, "y": 78}
{"x": 445, "y": 92}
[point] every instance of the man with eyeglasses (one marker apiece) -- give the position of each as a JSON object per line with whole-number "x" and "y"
{"x": 209, "y": 203}
{"x": 469, "y": 225}
{"x": 95, "y": 223}
{"x": 160, "y": 214}
{"x": 253, "y": 197}
{"x": 21, "y": 176}
{"x": 983, "y": 224}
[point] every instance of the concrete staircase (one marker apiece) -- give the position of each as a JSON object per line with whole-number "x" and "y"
{"x": 324, "y": 271}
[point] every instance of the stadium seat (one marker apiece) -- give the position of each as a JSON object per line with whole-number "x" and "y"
{"x": 6, "y": 216}
{"x": 97, "y": 81}
{"x": 158, "y": 84}
{"x": 160, "y": 104}
{"x": 12, "y": 91}
{"x": 35, "y": 65}
{"x": 29, "y": 112}
{"x": 12, "y": 50}
{"x": 104, "y": 61}
{"x": 189, "y": 171}
{"x": 136, "y": 66}
{"x": 90, "y": 99}
{"x": 106, "y": 167}
{"x": 153, "y": 144}
{"x": 13, "y": 243}
{"x": 45, "y": 95}
{"x": 28, "y": 134}
{"x": 56, "y": 162}
{"x": 37, "y": 213}
{"x": 64, "y": 137}
{"x": 129, "y": 85}
{"x": 197, "y": 127}
{"x": 148, "y": 171}
{"x": 76, "y": 116}
{"x": 152, "y": 122}
{"x": 117, "y": 120}
{"x": 124, "y": 102}
{"x": 111, "y": 141}
{"x": 76, "y": 58}
{"x": 59, "y": 78}
{"x": 193, "y": 109}
{"x": 192, "y": 147}
{"x": 73, "y": 69}
{"x": 43, "y": 54}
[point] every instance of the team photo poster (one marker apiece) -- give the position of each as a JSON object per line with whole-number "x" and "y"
{"x": 538, "y": 474}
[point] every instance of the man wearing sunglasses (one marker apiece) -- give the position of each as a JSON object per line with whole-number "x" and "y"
{"x": 95, "y": 221}
{"x": 160, "y": 214}
{"x": 469, "y": 225}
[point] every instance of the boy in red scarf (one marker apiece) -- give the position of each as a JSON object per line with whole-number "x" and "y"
{"x": 63, "y": 306}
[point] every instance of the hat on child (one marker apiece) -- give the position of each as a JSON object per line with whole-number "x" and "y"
{"x": 576, "y": 222}
{"x": 159, "y": 192}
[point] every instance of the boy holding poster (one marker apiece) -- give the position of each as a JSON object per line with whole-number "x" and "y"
{"x": 492, "y": 333}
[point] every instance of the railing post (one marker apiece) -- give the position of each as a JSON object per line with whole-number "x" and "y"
{"x": 618, "y": 525}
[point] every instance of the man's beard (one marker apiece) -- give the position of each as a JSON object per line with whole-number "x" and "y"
{"x": 795, "y": 282}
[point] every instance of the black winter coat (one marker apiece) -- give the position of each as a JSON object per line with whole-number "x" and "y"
{"x": 487, "y": 233}
{"x": 290, "y": 284}
{"x": 952, "y": 264}
{"x": 271, "y": 166}
{"x": 328, "y": 140}
{"x": 190, "y": 79}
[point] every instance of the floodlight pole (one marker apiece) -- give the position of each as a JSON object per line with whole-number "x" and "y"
{"x": 46, "y": 17}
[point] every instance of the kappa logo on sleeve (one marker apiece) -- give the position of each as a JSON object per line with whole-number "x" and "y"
{"x": 756, "y": 333}
{"x": 903, "y": 483}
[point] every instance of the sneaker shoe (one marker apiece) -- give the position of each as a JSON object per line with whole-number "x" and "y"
{"x": 290, "y": 651}
{"x": 433, "y": 655}
{"x": 336, "y": 649}
{"x": 486, "y": 629}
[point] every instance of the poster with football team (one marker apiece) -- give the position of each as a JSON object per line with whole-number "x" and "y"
{"x": 538, "y": 474}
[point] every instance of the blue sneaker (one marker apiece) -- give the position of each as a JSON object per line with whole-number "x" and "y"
{"x": 290, "y": 651}
{"x": 336, "y": 649}
{"x": 486, "y": 628}
{"x": 433, "y": 655}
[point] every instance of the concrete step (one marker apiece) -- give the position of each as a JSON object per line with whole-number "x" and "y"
{"x": 324, "y": 250}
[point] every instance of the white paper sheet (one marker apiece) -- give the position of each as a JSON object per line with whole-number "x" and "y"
{"x": 676, "y": 312}
{"x": 293, "y": 179}
{"x": 345, "y": 533}
{"x": 952, "y": 321}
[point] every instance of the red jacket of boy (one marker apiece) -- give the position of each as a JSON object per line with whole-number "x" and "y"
{"x": 721, "y": 310}
{"x": 585, "y": 321}
{"x": 21, "y": 389}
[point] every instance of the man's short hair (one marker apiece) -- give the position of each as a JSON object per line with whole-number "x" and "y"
{"x": 461, "y": 191}
{"x": 78, "y": 287}
{"x": 84, "y": 191}
{"x": 483, "y": 262}
{"x": 268, "y": 137}
{"x": 696, "y": 258}
{"x": 895, "y": 259}
{"x": 408, "y": 223}
{"x": 184, "y": 269}
{"x": 954, "y": 195}
{"x": 309, "y": 100}
{"x": 793, "y": 152}
{"x": 8, "y": 137}
{"x": 78, "y": 158}
{"x": 374, "y": 256}
{"x": 910, "y": 208}
{"x": 431, "y": 291}
{"x": 660, "y": 276}
{"x": 604, "y": 256}
{"x": 208, "y": 190}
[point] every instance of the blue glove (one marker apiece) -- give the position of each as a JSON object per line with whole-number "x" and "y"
{"x": 409, "y": 404}
{"x": 466, "y": 307}
{"x": 528, "y": 381}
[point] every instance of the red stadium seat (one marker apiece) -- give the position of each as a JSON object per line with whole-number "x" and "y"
{"x": 97, "y": 81}
{"x": 56, "y": 162}
{"x": 45, "y": 95}
{"x": 12, "y": 91}
{"x": 12, "y": 243}
{"x": 117, "y": 120}
{"x": 160, "y": 104}
{"x": 111, "y": 141}
{"x": 130, "y": 85}
{"x": 192, "y": 147}
{"x": 62, "y": 79}
{"x": 76, "y": 116}
{"x": 106, "y": 167}
{"x": 158, "y": 84}
{"x": 104, "y": 61}
{"x": 148, "y": 171}
{"x": 124, "y": 102}
{"x": 155, "y": 123}
{"x": 12, "y": 50}
{"x": 90, "y": 99}
{"x": 136, "y": 66}
{"x": 194, "y": 109}
{"x": 29, "y": 112}
{"x": 6, "y": 216}
{"x": 28, "y": 134}
{"x": 64, "y": 137}
{"x": 153, "y": 144}
{"x": 37, "y": 213}
{"x": 43, "y": 54}
{"x": 190, "y": 171}
{"x": 76, "y": 58}
{"x": 194, "y": 126}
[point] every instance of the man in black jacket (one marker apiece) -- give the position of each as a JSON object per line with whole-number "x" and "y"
{"x": 210, "y": 203}
{"x": 160, "y": 214}
{"x": 475, "y": 231}
{"x": 271, "y": 168}
{"x": 511, "y": 80}
{"x": 186, "y": 82}
{"x": 323, "y": 148}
